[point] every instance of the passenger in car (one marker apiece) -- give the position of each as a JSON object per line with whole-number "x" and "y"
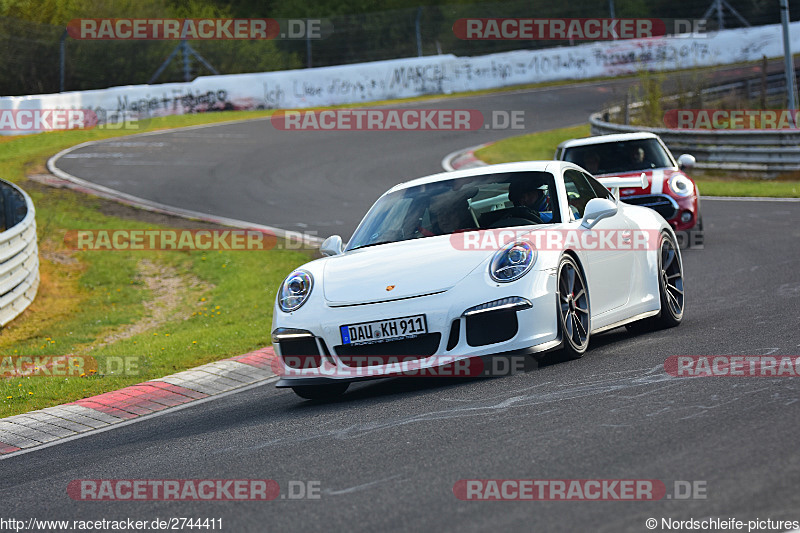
{"x": 452, "y": 219}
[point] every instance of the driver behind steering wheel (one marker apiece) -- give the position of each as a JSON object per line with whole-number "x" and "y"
{"x": 526, "y": 195}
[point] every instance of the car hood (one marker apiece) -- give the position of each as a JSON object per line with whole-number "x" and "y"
{"x": 656, "y": 181}
{"x": 410, "y": 268}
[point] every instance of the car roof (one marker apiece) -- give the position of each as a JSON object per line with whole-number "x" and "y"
{"x": 614, "y": 137}
{"x": 522, "y": 166}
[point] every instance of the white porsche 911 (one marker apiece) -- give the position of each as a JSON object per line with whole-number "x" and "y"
{"x": 523, "y": 258}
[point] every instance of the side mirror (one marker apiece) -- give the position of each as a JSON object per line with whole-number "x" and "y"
{"x": 331, "y": 246}
{"x": 596, "y": 210}
{"x": 686, "y": 161}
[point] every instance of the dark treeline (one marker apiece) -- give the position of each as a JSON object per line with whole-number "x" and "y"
{"x": 363, "y": 30}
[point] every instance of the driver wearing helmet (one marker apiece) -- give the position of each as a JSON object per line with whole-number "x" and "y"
{"x": 527, "y": 194}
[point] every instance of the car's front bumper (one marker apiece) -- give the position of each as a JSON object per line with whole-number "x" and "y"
{"x": 681, "y": 212}
{"x": 310, "y": 348}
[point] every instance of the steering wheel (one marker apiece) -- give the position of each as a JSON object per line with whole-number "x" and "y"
{"x": 517, "y": 216}
{"x": 524, "y": 212}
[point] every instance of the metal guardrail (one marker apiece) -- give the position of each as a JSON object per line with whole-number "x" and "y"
{"x": 767, "y": 152}
{"x": 19, "y": 252}
{"x": 774, "y": 86}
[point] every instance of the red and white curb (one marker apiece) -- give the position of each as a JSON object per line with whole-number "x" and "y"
{"x": 464, "y": 158}
{"x": 21, "y": 433}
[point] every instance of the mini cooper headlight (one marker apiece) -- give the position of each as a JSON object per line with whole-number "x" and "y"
{"x": 512, "y": 261}
{"x": 295, "y": 290}
{"x": 681, "y": 185}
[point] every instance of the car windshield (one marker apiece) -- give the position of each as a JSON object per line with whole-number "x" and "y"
{"x": 619, "y": 157}
{"x": 456, "y": 205}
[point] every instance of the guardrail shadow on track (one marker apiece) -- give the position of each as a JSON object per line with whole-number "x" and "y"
{"x": 19, "y": 252}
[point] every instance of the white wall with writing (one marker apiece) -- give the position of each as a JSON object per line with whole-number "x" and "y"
{"x": 402, "y": 78}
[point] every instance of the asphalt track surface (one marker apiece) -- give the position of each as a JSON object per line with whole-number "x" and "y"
{"x": 320, "y": 182}
{"x": 389, "y": 453}
{"x": 313, "y": 181}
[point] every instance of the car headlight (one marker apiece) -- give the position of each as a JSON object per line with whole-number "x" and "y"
{"x": 681, "y": 185}
{"x": 512, "y": 261}
{"x": 295, "y": 290}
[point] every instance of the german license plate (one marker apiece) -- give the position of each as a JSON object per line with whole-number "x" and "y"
{"x": 384, "y": 330}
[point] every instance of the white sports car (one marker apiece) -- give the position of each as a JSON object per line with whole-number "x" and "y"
{"x": 522, "y": 258}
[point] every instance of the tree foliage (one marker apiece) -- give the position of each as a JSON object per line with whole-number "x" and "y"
{"x": 363, "y": 30}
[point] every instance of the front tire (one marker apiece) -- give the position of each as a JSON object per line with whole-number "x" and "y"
{"x": 321, "y": 392}
{"x": 573, "y": 310}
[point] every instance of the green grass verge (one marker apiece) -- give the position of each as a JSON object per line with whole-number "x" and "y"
{"x": 221, "y": 302}
{"x": 542, "y": 145}
{"x": 532, "y": 147}
{"x": 753, "y": 188}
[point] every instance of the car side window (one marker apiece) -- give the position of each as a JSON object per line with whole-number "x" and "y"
{"x": 579, "y": 192}
{"x": 598, "y": 187}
